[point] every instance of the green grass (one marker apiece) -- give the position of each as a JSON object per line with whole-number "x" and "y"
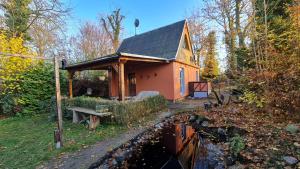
{"x": 25, "y": 142}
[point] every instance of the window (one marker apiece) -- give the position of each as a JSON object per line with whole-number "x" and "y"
{"x": 185, "y": 44}
{"x": 182, "y": 85}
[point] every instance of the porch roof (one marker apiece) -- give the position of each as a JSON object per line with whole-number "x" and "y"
{"x": 106, "y": 61}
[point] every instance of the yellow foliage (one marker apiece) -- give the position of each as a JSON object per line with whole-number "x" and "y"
{"x": 11, "y": 68}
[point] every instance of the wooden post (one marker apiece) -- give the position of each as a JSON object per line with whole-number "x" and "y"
{"x": 121, "y": 82}
{"x": 109, "y": 73}
{"x": 58, "y": 104}
{"x": 70, "y": 77}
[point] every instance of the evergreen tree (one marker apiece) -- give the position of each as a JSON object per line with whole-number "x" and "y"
{"x": 211, "y": 68}
{"x": 17, "y": 15}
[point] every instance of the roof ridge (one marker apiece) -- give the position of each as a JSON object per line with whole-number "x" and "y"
{"x": 184, "y": 20}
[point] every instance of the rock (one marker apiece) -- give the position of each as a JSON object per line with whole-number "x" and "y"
{"x": 290, "y": 160}
{"x": 237, "y": 166}
{"x": 292, "y": 128}
{"x": 230, "y": 160}
{"x": 145, "y": 94}
{"x": 192, "y": 118}
{"x": 114, "y": 162}
{"x": 204, "y": 123}
{"x": 297, "y": 145}
{"x": 222, "y": 131}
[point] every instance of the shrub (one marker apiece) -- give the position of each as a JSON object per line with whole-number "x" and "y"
{"x": 35, "y": 89}
{"x": 252, "y": 98}
{"x": 127, "y": 112}
{"x": 87, "y": 102}
{"x": 236, "y": 144}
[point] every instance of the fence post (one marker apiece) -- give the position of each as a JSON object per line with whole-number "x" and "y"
{"x": 58, "y": 134}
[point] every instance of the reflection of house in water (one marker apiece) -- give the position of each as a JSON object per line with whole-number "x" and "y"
{"x": 175, "y": 136}
{"x": 179, "y": 140}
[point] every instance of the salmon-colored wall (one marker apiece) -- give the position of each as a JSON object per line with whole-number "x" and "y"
{"x": 149, "y": 77}
{"x": 189, "y": 76}
{"x": 164, "y": 77}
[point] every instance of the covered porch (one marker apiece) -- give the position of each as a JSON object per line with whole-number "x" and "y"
{"x": 122, "y": 72}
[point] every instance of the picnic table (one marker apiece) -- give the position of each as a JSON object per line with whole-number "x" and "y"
{"x": 80, "y": 113}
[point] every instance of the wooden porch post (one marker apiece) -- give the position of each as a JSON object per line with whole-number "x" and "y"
{"x": 70, "y": 77}
{"x": 110, "y": 82}
{"x": 121, "y": 81}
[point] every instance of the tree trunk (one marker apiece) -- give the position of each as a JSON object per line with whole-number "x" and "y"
{"x": 238, "y": 23}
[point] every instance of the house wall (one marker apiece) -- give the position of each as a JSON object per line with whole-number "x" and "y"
{"x": 164, "y": 78}
{"x": 149, "y": 77}
{"x": 190, "y": 73}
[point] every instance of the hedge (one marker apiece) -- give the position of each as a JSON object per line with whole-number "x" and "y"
{"x": 127, "y": 112}
{"x": 36, "y": 87}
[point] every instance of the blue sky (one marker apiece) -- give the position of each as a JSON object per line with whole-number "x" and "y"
{"x": 151, "y": 13}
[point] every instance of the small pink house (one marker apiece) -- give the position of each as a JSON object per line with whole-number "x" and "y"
{"x": 159, "y": 60}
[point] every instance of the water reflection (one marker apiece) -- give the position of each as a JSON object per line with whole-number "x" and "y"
{"x": 178, "y": 147}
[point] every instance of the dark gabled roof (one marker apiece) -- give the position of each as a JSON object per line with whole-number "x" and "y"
{"x": 162, "y": 42}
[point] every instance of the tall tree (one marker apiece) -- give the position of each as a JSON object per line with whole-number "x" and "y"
{"x": 222, "y": 13}
{"x": 17, "y": 15}
{"x": 91, "y": 42}
{"x": 211, "y": 68}
{"x": 40, "y": 21}
{"x": 113, "y": 26}
{"x": 47, "y": 26}
{"x": 197, "y": 29}
{"x": 232, "y": 18}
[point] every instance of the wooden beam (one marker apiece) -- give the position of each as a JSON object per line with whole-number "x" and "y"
{"x": 92, "y": 66}
{"x": 70, "y": 77}
{"x": 121, "y": 81}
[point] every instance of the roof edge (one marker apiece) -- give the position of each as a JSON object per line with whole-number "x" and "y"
{"x": 107, "y": 57}
{"x": 142, "y": 56}
{"x": 178, "y": 46}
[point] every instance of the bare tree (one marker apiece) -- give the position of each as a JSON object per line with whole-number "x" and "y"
{"x": 91, "y": 42}
{"x": 197, "y": 28}
{"x": 113, "y": 26}
{"x": 51, "y": 11}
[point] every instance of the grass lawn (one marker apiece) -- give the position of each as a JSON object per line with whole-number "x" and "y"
{"x": 25, "y": 142}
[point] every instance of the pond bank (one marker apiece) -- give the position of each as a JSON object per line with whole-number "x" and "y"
{"x": 86, "y": 156}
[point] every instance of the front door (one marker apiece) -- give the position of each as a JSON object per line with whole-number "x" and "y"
{"x": 132, "y": 84}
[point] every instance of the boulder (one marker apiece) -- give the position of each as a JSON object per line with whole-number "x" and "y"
{"x": 290, "y": 160}
{"x": 292, "y": 128}
{"x": 145, "y": 94}
{"x": 205, "y": 123}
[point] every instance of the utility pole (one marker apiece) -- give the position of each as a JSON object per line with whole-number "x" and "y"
{"x": 58, "y": 134}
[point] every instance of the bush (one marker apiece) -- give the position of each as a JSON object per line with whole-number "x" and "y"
{"x": 236, "y": 144}
{"x": 87, "y": 102}
{"x": 127, "y": 112}
{"x": 252, "y": 98}
{"x": 36, "y": 87}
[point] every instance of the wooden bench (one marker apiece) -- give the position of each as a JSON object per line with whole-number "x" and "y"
{"x": 94, "y": 116}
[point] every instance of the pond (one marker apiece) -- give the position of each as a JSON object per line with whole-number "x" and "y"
{"x": 179, "y": 142}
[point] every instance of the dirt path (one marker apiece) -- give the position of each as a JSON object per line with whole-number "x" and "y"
{"x": 85, "y": 157}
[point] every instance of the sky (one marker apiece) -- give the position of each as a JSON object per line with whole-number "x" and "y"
{"x": 152, "y": 14}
